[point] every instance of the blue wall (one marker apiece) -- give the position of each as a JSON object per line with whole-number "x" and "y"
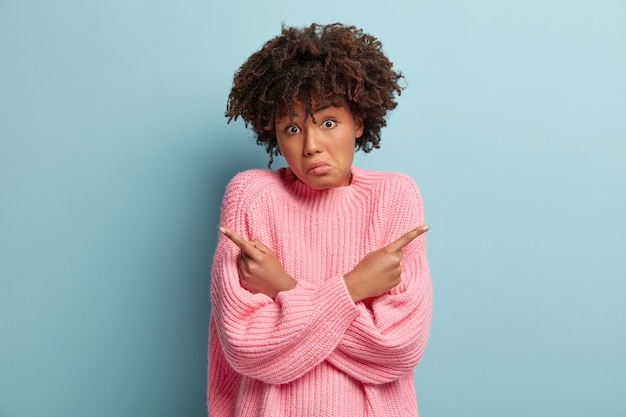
{"x": 114, "y": 154}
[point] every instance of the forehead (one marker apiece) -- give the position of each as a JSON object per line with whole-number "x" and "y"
{"x": 304, "y": 108}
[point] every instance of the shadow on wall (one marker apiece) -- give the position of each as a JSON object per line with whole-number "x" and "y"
{"x": 235, "y": 154}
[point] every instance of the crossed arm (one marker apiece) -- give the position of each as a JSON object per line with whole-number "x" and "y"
{"x": 329, "y": 323}
{"x": 260, "y": 271}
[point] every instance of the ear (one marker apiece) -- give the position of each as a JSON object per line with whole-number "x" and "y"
{"x": 359, "y": 125}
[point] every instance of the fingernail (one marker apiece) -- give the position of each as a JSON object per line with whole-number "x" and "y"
{"x": 222, "y": 230}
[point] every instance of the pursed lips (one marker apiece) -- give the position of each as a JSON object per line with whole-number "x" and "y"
{"x": 318, "y": 167}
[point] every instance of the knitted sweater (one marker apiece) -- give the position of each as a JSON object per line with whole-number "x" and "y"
{"x": 312, "y": 351}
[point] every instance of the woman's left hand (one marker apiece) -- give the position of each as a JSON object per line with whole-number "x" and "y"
{"x": 260, "y": 271}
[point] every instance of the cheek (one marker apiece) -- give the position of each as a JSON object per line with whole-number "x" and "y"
{"x": 289, "y": 152}
{"x": 346, "y": 153}
{"x": 282, "y": 146}
{"x": 351, "y": 145}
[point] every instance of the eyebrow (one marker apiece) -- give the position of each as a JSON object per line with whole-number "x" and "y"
{"x": 316, "y": 110}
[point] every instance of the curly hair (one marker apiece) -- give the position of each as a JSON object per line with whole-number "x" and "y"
{"x": 331, "y": 64}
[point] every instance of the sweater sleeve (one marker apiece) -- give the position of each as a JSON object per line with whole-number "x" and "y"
{"x": 275, "y": 341}
{"x": 387, "y": 342}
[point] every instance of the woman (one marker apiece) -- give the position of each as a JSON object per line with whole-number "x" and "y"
{"x": 321, "y": 292}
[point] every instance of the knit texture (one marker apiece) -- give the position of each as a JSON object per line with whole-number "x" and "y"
{"x": 313, "y": 351}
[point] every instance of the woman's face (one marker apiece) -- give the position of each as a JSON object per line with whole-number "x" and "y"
{"x": 320, "y": 152}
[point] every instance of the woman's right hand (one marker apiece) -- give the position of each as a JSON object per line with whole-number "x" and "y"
{"x": 380, "y": 270}
{"x": 260, "y": 271}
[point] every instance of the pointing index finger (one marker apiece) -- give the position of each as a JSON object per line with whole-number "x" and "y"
{"x": 407, "y": 238}
{"x": 243, "y": 244}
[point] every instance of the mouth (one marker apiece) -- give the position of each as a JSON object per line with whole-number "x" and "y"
{"x": 319, "y": 168}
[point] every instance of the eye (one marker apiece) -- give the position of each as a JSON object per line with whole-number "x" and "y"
{"x": 329, "y": 123}
{"x": 292, "y": 130}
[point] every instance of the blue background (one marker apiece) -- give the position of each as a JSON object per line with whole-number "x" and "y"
{"x": 114, "y": 154}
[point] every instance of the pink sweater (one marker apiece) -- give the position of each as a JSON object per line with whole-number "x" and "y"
{"x": 312, "y": 351}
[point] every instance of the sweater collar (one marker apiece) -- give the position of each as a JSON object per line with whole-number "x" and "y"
{"x": 326, "y": 199}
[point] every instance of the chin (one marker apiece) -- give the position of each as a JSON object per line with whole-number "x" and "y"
{"x": 324, "y": 185}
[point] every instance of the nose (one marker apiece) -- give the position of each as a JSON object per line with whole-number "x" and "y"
{"x": 312, "y": 143}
